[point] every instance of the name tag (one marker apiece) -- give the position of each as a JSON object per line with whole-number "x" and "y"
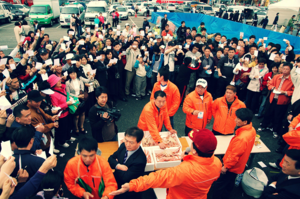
{"x": 200, "y": 115}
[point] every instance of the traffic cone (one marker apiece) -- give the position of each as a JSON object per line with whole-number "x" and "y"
{"x": 135, "y": 15}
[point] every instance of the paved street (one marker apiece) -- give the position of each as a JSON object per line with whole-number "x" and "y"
{"x": 131, "y": 110}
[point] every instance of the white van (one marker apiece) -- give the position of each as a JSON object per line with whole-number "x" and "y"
{"x": 5, "y": 14}
{"x": 95, "y": 8}
{"x": 67, "y": 12}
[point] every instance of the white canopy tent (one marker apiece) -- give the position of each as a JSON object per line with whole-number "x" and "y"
{"x": 286, "y": 9}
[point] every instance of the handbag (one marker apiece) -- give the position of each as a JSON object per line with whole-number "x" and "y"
{"x": 96, "y": 83}
{"x": 73, "y": 107}
{"x": 240, "y": 85}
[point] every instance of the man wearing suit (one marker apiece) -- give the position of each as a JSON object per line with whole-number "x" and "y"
{"x": 36, "y": 26}
{"x": 101, "y": 72}
{"x": 286, "y": 184}
{"x": 129, "y": 161}
{"x": 164, "y": 22}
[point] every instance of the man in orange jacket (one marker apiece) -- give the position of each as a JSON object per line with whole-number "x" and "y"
{"x": 173, "y": 96}
{"x": 237, "y": 154}
{"x": 223, "y": 110}
{"x": 191, "y": 179}
{"x": 88, "y": 169}
{"x": 197, "y": 107}
{"x": 154, "y": 115}
{"x": 292, "y": 138}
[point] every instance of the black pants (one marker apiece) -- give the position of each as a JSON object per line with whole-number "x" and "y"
{"x": 222, "y": 83}
{"x": 218, "y": 133}
{"x": 252, "y": 100}
{"x": 187, "y": 130}
{"x": 63, "y": 132}
{"x": 209, "y": 84}
{"x": 154, "y": 78}
{"x": 149, "y": 86}
{"x": 274, "y": 114}
{"x": 224, "y": 185}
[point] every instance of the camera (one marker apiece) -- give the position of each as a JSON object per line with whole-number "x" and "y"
{"x": 113, "y": 113}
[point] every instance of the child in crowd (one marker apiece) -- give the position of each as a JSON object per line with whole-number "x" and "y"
{"x": 141, "y": 66}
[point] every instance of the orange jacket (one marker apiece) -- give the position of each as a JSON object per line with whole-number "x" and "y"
{"x": 225, "y": 119}
{"x": 286, "y": 86}
{"x": 239, "y": 149}
{"x": 194, "y": 102}
{"x": 295, "y": 122}
{"x": 191, "y": 179}
{"x": 292, "y": 138}
{"x": 173, "y": 96}
{"x": 75, "y": 168}
{"x": 152, "y": 120}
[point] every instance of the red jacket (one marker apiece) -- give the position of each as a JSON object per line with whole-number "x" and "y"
{"x": 165, "y": 34}
{"x": 292, "y": 138}
{"x": 239, "y": 149}
{"x": 173, "y": 96}
{"x": 59, "y": 100}
{"x": 286, "y": 86}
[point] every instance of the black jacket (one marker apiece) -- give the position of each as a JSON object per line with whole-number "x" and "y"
{"x": 226, "y": 65}
{"x": 29, "y": 162}
{"x": 101, "y": 73}
{"x": 145, "y": 24}
{"x": 225, "y": 16}
{"x": 136, "y": 164}
{"x": 163, "y": 23}
{"x": 231, "y": 16}
{"x": 275, "y": 20}
{"x": 181, "y": 32}
{"x": 285, "y": 188}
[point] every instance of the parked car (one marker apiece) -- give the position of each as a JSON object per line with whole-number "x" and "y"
{"x": 143, "y": 10}
{"x": 23, "y": 8}
{"x": 206, "y": 9}
{"x": 184, "y": 9}
{"x": 5, "y": 15}
{"x": 217, "y": 7}
{"x": 123, "y": 12}
{"x": 68, "y": 10}
{"x": 15, "y": 12}
{"x": 171, "y": 7}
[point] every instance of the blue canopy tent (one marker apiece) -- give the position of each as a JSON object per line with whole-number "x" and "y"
{"x": 228, "y": 28}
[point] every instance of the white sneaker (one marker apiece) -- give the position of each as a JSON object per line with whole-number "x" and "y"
{"x": 256, "y": 115}
{"x": 56, "y": 151}
{"x": 65, "y": 145}
{"x": 273, "y": 165}
{"x": 72, "y": 139}
{"x": 275, "y": 135}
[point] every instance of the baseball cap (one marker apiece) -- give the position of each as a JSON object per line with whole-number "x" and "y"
{"x": 201, "y": 82}
{"x": 43, "y": 51}
{"x": 204, "y": 140}
{"x": 35, "y": 96}
{"x": 158, "y": 37}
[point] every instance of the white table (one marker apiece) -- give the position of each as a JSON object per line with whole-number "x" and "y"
{"x": 223, "y": 143}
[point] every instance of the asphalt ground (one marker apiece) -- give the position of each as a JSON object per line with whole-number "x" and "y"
{"x": 131, "y": 110}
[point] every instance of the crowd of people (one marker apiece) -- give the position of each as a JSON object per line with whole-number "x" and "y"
{"x": 50, "y": 87}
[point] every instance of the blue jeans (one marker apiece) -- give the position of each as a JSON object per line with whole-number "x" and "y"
{"x": 287, "y": 29}
{"x": 262, "y": 106}
{"x": 171, "y": 77}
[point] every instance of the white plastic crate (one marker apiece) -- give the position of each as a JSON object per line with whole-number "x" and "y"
{"x": 150, "y": 166}
{"x": 161, "y": 165}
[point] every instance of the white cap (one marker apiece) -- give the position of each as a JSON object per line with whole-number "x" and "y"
{"x": 48, "y": 91}
{"x": 127, "y": 24}
{"x": 201, "y": 82}
{"x": 162, "y": 46}
{"x": 69, "y": 56}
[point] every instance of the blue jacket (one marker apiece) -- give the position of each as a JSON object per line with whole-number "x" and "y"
{"x": 160, "y": 63}
{"x": 37, "y": 137}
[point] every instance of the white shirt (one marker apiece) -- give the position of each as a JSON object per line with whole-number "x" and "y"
{"x": 76, "y": 86}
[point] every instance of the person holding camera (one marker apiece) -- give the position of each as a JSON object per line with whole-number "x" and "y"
{"x": 103, "y": 127}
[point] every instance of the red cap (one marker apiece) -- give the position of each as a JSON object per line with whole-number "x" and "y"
{"x": 204, "y": 140}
